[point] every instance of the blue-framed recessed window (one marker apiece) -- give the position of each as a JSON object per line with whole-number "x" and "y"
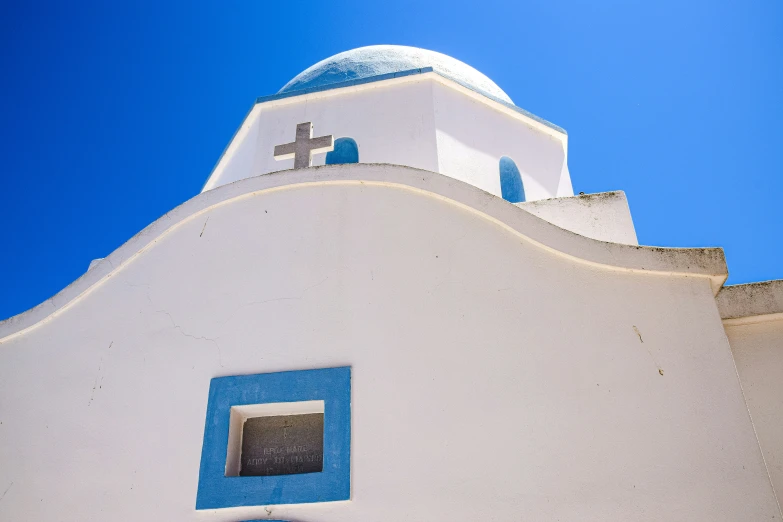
{"x": 275, "y": 398}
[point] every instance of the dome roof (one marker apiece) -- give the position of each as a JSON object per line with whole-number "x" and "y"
{"x": 374, "y": 60}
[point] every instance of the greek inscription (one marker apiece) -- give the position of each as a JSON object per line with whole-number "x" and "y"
{"x": 282, "y": 445}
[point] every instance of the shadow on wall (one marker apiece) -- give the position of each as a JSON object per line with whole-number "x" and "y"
{"x": 345, "y": 151}
{"x": 511, "y": 181}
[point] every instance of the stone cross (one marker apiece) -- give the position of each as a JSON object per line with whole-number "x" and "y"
{"x": 302, "y": 149}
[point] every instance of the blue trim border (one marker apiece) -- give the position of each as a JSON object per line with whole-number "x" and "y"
{"x": 331, "y": 385}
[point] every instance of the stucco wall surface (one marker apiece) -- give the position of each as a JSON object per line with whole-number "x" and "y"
{"x": 604, "y": 216}
{"x": 493, "y": 376}
{"x": 758, "y": 352}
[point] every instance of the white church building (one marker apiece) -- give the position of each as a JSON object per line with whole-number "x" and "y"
{"x": 387, "y": 304}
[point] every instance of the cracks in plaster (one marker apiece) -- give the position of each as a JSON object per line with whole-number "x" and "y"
{"x": 635, "y": 329}
{"x": 660, "y": 370}
{"x": 301, "y": 295}
{"x": 204, "y": 227}
{"x": 197, "y": 337}
{"x": 146, "y": 287}
{"x": 437, "y": 285}
{"x": 6, "y": 491}
{"x": 275, "y": 299}
{"x": 211, "y": 339}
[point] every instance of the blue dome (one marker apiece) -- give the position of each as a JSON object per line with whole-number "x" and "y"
{"x": 373, "y": 60}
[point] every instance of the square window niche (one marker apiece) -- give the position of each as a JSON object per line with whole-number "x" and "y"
{"x": 277, "y": 438}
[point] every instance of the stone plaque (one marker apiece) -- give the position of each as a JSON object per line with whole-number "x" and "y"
{"x": 283, "y": 445}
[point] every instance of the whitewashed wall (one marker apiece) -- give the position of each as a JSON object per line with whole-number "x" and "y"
{"x": 493, "y": 378}
{"x": 472, "y": 138}
{"x": 390, "y": 123}
{"x": 422, "y": 121}
{"x": 758, "y": 351}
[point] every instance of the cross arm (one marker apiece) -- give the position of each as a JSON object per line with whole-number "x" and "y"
{"x": 322, "y": 144}
{"x": 285, "y": 151}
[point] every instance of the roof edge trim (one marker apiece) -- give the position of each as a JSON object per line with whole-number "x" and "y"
{"x": 751, "y": 302}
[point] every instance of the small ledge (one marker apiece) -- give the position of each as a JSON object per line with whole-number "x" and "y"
{"x": 604, "y": 216}
{"x": 751, "y": 302}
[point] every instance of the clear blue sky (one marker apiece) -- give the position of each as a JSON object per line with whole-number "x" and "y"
{"x": 113, "y": 113}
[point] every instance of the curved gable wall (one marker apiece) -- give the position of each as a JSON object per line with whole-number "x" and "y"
{"x": 465, "y": 338}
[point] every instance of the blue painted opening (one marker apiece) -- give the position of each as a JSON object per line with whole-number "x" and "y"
{"x": 511, "y": 181}
{"x": 345, "y": 151}
{"x": 331, "y": 385}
